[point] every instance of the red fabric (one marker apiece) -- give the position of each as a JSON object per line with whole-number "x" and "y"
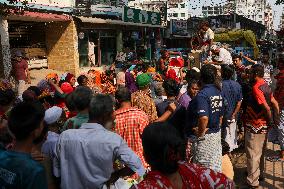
{"x": 255, "y": 116}
{"x": 177, "y": 62}
{"x": 172, "y": 75}
{"x": 193, "y": 177}
{"x": 205, "y": 43}
{"x": 130, "y": 123}
{"x": 258, "y": 94}
{"x": 19, "y": 69}
{"x": 67, "y": 88}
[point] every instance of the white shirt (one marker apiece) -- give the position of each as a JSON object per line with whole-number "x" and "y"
{"x": 48, "y": 147}
{"x": 225, "y": 56}
{"x": 209, "y": 35}
{"x": 268, "y": 70}
{"x": 86, "y": 156}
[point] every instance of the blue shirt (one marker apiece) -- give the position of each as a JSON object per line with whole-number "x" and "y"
{"x": 232, "y": 93}
{"x": 19, "y": 170}
{"x": 209, "y": 103}
{"x": 84, "y": 157}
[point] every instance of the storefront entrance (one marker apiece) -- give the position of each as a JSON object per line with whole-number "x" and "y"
{"x": 97, "y": 47}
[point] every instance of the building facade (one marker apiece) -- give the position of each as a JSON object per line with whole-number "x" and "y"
{"x": 281, "y": 24}
{"x": 212, "y": 11}
{"x": 257, "y": 10}
{"x": 176, "y": 9}
{"x": 251, "y": 9}
{"x": 71, "y": 36}
{"x": 44, "y": 32}
{"x": 268, "y": 19}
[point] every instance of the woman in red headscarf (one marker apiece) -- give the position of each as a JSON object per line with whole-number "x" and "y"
{"x": 171, "y": 74}
{"x": 66, "y": 87}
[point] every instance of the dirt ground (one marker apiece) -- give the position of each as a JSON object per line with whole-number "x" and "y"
{"x": 274, "y": 171}
{"x": 38, "y": 74}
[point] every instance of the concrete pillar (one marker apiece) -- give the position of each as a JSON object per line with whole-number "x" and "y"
{"x": 5, "y": 53}
{"x": 119, "y": 41}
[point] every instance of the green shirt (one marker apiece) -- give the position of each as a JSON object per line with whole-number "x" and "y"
{"x": 19, "y": 170}
{"x": 76, "y": 122}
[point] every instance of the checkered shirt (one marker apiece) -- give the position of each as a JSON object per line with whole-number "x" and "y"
{"x": 130, "y": 123}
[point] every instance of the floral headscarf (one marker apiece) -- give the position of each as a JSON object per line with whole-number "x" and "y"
{"x": 51, "y": 76}
{"x": 5, "y": 84}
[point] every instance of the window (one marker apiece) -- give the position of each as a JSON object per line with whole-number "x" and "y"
{"x": 173, "y": 5}
{"x": 175, "y": 15}
{"x": 182, "y": 5}
{"x": 260, "y": 16}
{"x": 182, "y": 14}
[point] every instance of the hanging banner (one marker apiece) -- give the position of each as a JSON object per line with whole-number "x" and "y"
{"x": 141, "y": 16}
{"x": 179, "y": 27}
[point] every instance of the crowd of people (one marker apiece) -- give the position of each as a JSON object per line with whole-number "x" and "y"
{"x": 141, "y": 126}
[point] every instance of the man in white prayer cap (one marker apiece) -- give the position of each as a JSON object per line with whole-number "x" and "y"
{"x": 224, "y": 56}
{"x": 54, "y": 119}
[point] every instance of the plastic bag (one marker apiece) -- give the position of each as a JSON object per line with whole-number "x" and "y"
{"x": 119, "y": 184}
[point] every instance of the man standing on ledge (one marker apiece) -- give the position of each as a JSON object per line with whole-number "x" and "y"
{"x": 20, "y": 72}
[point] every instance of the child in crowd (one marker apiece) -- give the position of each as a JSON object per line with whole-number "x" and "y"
{"x": 18, "y": 169}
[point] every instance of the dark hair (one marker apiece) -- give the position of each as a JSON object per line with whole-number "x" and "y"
{"x": 227, "y": 71}
{"x": 29, "y": 96}
{"x": 257, "y": 70}
{"x": 204, "y": 23}
{"x": 236, "y": 56}
{"x": 192, "y": 75}
{"x": 6, "y": 137}
{"x": 100, "y": 106}
{"x": 163, "y": 147}
{"x": 25, "y": 118}
{"x": 82, "y": 97}
{"x": 123, "y": 95}
{"x": 81, "y": 79}
{"x": 265, "y": 53}
{"x": 171, "y": 87}
{"x": 48, "y": 99}
{"x": 109, "y": 73}
{"x": 145, "y": 67}
{"x": 192, "y": 82}
{"x": 208, "y": 74}
{"x": 35, "y": 89}
{"x": 69, "y": 99}
{"x": 7, "y": 97}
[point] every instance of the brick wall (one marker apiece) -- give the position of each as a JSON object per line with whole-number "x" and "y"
{"x": 62, "y": 46}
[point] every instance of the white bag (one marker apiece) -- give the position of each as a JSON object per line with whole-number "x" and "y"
{"x": 119, "y": 184}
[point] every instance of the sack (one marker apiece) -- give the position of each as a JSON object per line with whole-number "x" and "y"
{"x": 119, "y": 184}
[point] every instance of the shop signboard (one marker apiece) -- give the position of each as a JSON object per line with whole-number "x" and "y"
{"x": 52, "y": 3}
{"x": 65, "y": 6}
{"x": 100, "y": 7}
{"x": 103, "y": 9}
{"x": 141, "y": 16}
{"x": 178, "y": 27}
